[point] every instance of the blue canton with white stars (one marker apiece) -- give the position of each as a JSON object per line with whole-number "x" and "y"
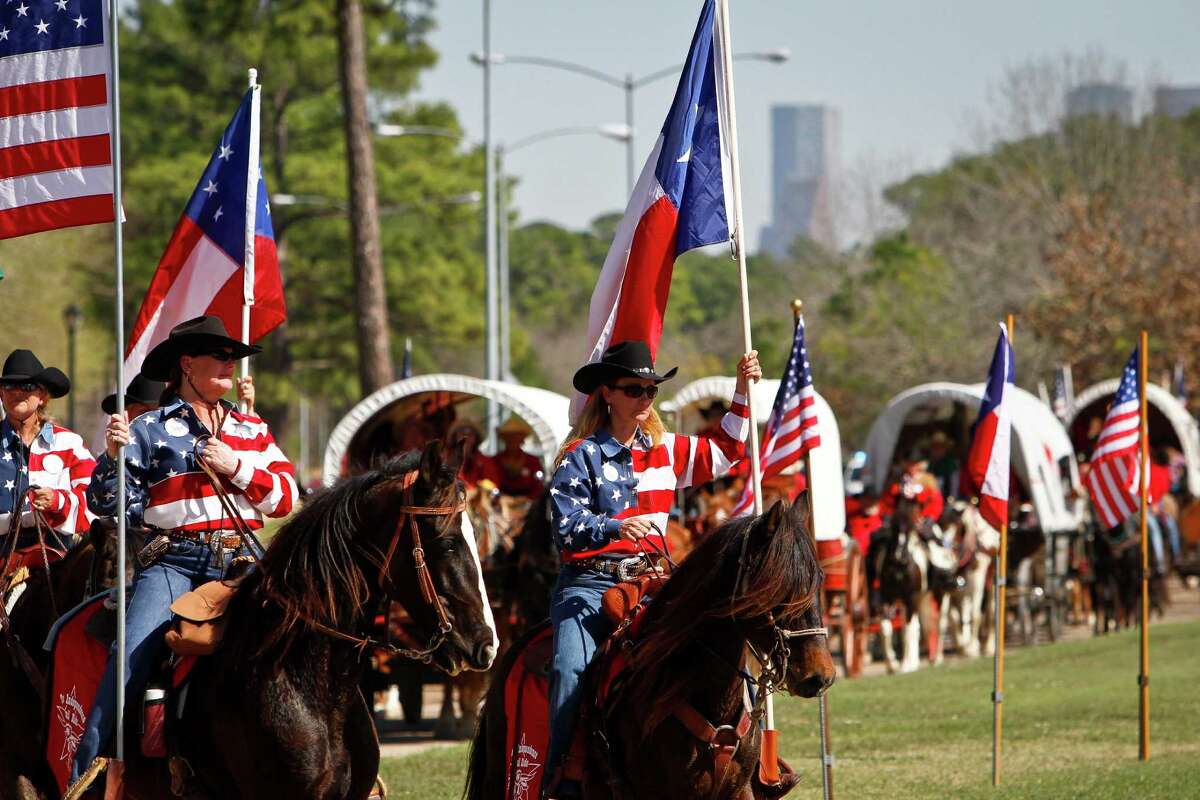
{"x": 594, "y": 483}
{"x": 1128, "y": 390}
{"x": 31, "y": 26}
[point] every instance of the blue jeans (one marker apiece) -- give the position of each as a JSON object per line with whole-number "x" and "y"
{"x": 1173, "y": 538}
{"x": 579, "y": 625}
{"x": 182, "y": 568}
{"x": 1156, "y": 543}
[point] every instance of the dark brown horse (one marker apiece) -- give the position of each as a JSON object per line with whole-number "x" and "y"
{"x": 752, "y": 586}
{"x": 88, "y": 568}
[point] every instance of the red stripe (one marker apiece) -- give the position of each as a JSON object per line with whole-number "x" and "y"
{"x": 656, "y": 456}
{"x": 655, "y": 501}
{"x": 30, "y": 159}
{"x": 39, "y": 217}
{"x": 183, "y": 240}
{"x": 29, "y": 98}
{"x": 642, "y": 302}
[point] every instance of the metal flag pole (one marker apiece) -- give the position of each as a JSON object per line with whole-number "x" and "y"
{"x": 119, "y": 253}
{"x": 1144, "y": 491}
{"x": 722, "y": 43}
{"x": 1000, "y": 594}
{"x": 252, "y": 169}
{"x": 822, "y": 700}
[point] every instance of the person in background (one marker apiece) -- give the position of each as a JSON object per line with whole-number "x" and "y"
{"x": 141, "y": 395}
{"x": 943, "y": 464}
{"x": 520, "y": 473}
{"x": 43, "y": 465}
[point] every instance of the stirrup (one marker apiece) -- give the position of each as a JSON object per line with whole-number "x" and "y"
{"x": 84, "y": 782}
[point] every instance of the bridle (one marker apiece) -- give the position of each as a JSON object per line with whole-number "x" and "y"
{"x": 409, "y": 647}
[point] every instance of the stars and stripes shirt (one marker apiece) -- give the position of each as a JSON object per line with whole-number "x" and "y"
{"x": 55, "y": 459}
{"x": 55, "y": 164}
{"x": 1112, "y": 481}
{"x": 167, "y": 489}
{"x": 601, "y": 482}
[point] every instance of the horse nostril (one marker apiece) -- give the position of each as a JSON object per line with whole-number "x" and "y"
{"x": 485, "y": 654}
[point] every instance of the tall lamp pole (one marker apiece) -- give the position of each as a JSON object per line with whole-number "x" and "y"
{"x": 628, "y": 83}
{"x": 71, "y": 316}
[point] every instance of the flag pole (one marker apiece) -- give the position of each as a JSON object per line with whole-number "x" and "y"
{"x": 252, "y": 169}
{"x": 119, "y": 255}
{"x": 822, "y": 699}
{"x": 1144, "y": 469}
{"x": 770, "y": 752}
{"x": 1000, "y": 584}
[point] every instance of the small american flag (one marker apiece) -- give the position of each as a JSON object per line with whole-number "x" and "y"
{"x": 55, "y": 164}
{"x": 1112, "y": 480}
{"x": 792, "y": 427}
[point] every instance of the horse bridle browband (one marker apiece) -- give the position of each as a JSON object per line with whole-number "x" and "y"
{"x": 408, "y": 521}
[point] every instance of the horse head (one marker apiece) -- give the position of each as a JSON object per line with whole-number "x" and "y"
{"x": 431, "y": 562}
{"x": 782, "y": 577}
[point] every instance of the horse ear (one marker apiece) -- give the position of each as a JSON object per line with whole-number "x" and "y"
{"x": 431, "y": 463}
{"x": 774, "y": 518}
{"x": 800, "y": 512}
{"x": 457, "y": 454}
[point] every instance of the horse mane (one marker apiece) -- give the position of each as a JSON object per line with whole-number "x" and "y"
{"x": 313, "y": 568}
{"x": 776, "y": 576}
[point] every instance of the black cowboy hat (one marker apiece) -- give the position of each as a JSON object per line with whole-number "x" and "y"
{"x": 189, "y": 338}
{"x": 140, "y": 390}
{"x": 22, "y": 366}
{"x": 624, "y": 359}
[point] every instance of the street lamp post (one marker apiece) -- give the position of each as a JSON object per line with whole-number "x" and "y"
{"x": 616, "y": 132}
{"x": 71, "y": 316}
{"x": 629, "y": 83}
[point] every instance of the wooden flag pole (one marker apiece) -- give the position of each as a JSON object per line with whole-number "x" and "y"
{"x": 822, "y": 700}
{"x": 1144, "y": 491}
{"x": 1000, "y": 584}
{"x": 722, "y": 45}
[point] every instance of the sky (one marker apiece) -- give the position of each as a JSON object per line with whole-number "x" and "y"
{"x": 906, "y": 78}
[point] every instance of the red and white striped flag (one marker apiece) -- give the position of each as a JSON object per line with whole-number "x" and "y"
{"x": 1112, "y": 480}
{"x": 55, "y": 160}
{"x": 792, "y": 428}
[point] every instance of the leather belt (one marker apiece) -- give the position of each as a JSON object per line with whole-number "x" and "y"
{"x": 226, "y": 541}
{"x": 623, "y": 569}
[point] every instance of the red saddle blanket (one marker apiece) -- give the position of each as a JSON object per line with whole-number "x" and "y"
{"x": 30, "y": 557}
{"x": 77, "y": 661}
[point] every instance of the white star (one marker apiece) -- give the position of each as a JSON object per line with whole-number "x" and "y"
{"x": 568, "y": 540}
{"x": 3, "y": 33}
{"x": 109, "y": 495}
{"x": 219, "y": 212}
{"x": 211, "y": 188}
{"x": 8, "y": 484}
{"x": 42, "y": 27}
{"x": 589, "y": 448}
{"x": 80, "y": 21}
{"x": 579, "y": 528}
{"x": 172, "y": 474}
{"x": 226, "y": 152}
{"x": 22, "y": 10}
{"x": 7, "y": 456}
{"x": 553, "y": 491}
{"x": 616, "y": 494}
{"x": 160, "y": 443}
{"x": 62, "y": 4}
{"x": 183, "y": 453}
{"x": 134, "y": 462}
{"x": 574, "y": 482}
{"x": 153, "y": 463}
{"x": 599, "y": 481}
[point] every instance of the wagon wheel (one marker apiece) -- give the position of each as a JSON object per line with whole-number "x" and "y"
{"x": 853, "y": 622}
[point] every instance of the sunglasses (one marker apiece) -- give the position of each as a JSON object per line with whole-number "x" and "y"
{"x": 20, "y": 387}
{"x": 635, "y": 390}
{"x": 224, "y": 356}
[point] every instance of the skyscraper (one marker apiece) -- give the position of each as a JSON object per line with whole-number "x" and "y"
{"x": 805, "y": 141}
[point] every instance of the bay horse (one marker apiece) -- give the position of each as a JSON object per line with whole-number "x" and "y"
{"x": 751, "y": 587}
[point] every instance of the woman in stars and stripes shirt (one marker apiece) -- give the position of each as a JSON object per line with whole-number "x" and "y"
{"x": 614, "y": 485}
{"x": 167, "y": 490}
{"x": 43, "y": 466}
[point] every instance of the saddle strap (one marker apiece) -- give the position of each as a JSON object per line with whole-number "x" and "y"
{"x": 723, "y": 741}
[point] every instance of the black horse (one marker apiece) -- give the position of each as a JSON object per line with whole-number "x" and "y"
{"x": 751, "y": 586}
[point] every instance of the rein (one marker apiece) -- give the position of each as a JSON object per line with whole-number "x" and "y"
{"x": 407, "y": 521}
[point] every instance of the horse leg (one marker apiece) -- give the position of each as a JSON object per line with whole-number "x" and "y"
{"x": 987, "y": 621}
{"x": 444, "y": 727}
{"x": 926, "y": 608}
{"x": 912, "y": 642}
{"x": 889, "y": 651}
{"x": 972, "y": 606}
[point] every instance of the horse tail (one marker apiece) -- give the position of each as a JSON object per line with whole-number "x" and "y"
{"x": 477, "y": 768}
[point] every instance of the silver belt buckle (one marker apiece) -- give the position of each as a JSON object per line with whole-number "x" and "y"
{"x": 630, "y": 568}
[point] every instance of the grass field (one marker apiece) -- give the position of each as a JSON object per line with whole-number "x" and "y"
{"x": 1070, "y": 729}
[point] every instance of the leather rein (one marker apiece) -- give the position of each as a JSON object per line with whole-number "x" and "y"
{"x": 407, "y": 522}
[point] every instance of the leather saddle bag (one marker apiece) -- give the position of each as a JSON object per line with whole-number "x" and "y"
{"x": 200, "y": 619}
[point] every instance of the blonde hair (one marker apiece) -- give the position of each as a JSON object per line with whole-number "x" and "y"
{"x": 595, "y": 416}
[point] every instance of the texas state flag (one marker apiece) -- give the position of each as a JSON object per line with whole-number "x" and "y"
{"x": 682, "y": 200}
{"x": 203, "y": 270}
{"x": 986, "y": 472}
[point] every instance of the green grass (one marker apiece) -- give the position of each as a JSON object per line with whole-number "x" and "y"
{"x": 1070, "y": 729}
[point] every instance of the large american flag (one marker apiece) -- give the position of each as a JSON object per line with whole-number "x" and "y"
{"x": 1112, "y": 480}
{"x": 55, "y": 161}
{"x": 792, "y": 427}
